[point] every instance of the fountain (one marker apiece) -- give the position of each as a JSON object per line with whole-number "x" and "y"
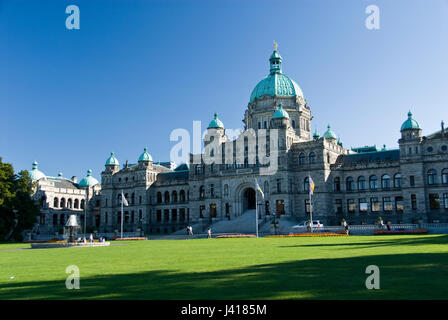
{"x": 70, "y": 235}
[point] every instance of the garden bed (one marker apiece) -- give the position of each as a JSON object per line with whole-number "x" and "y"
{"x": 398, "y": 231}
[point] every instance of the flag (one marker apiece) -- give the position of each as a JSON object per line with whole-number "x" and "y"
{"x": 123, "y": 199}
{"x": 311, "y": 183}
{"x": 257, "y": 186}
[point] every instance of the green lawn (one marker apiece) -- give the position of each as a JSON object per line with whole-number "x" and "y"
{"x": 412, "y": 267}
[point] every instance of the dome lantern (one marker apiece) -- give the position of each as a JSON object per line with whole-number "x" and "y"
{"x": 280, "y": 113}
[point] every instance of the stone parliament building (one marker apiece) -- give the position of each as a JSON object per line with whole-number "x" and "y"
{"x": 401, "y": 185}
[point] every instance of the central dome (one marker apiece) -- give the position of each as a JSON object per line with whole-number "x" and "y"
{"x": 276, "y": 83}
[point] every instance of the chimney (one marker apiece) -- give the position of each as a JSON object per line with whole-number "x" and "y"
{"x": 75, "y": 179}
{"x": 126, "y": 163}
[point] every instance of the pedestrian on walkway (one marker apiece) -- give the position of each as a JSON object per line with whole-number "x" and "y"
{"x": 209, "y": 233}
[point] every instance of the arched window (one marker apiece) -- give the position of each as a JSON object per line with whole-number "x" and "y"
{"x": 361, "y": 183}
{"x": 373, "y": 182}
{"x": 266, "y": 187}
{"x": 337, "y": 184}
{"x": 312, "y": 157}
{"x": 62, "y": 202}
{"x": 159, "y": 197}
{"x": 306, "y": 184}
{"x": 226, "y": 190}
{"x": 198, "y": 169}
{"x": 182, "y": 196}
{"x": 201, "y": 192}
{"x": 432, "y": 176}
{"x": 82, "y": 204}
{"x": 56, "y": 203}
{"x": 302, "y": 159}
{"x": 397, "y": 180}
{"x": 76, "y": 204}
{"x": 385, "y": 181}
{"x": 174, "y": 195}
{"x": 212, "y": 152}
{"x": 350, "y": 184}
{"x": 167, "y": 197}
{"x": 133, "y": 198}
{"x": 445, "y": 176}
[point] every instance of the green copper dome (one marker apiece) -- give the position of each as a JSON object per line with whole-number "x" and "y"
{"x": 276, "y": 83}
{"x": 216, "y": 123}
{"x": 316, "y": 135}
{"x": 145, "y": 156}
{"x": 88, "y": 181}
{"x": 329, "y": 134}
{"x": 35, "y": 174}
{"x": 112, "y": 161}
{"x": 410, "y": 123}
{"x": 280, "y": 113}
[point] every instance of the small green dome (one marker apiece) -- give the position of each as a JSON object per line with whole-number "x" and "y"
{"x": 316, "y": 135}
{"x": 35, "y": 174}
{"x": 329, "y": 134}
{"x": 276, "y": 83}
{"x": 88, "y": 181}
{"x": 112, "y": 161}
{"x": 410, "y": 123}
{"x": 145, "y": 156}
{"x": 280, "y": 113}
{"x": 216, "y": 123}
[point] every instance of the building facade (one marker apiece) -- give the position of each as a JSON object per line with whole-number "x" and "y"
{"x": 407, "y": 184}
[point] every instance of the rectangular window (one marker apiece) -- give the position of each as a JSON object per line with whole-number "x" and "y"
{"x": 351, "y": 205}
{"x": 399, "y": 205}
{"x": 363, "y": 205}
{"x": 434, "y": 201}
{"x": 338, "y": 205}
{"x": 159, "y": 215}
{"x": 387, "y": 204}
{"x": 374, "y": 204}
{"x": 413, "y": 202}
{"x": 445, "y": 200}
{"x": 412, "y": 181}
{"x": 212, "y": 190}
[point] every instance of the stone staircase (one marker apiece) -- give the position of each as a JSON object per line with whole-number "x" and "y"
{"x": 242, "y": 224}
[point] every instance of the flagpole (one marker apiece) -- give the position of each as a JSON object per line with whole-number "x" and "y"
{"x": 122, "y": 214}
{"x": 256, "y": 210}
{"x": 311, "y": 212}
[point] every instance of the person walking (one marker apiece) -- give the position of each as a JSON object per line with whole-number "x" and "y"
{"x": 209, "y": 233}
{"x": 91, "y": 238}
{"x": 191, "y": 230}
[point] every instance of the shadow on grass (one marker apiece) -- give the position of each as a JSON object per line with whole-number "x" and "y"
{"x": 412, "y": 241}
{"x": 405, "y": 276}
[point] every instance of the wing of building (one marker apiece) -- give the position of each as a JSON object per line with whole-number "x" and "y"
{"x": 359, "y": 184}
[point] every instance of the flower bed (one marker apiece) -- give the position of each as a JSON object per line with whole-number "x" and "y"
{"x": 403, "y": 231}
{"x": 308, "y": 234}
{"x": 236, "y": 236}
{"x": 130, "y": 238}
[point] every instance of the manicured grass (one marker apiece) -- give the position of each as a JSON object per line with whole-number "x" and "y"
{"x": 411, "y": 267}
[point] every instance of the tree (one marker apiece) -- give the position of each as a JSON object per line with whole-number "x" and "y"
{"x": 18, "y": 211}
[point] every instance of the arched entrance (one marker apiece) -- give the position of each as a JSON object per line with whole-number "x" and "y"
{"x": 248, "y": 199}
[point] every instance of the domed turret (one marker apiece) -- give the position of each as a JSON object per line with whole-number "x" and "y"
{"x": 276, "y": 83}
{"x": 329, "y": 134}
{"x": 145, "y": 156}
{"x": 35, "y": 174}
{"x": 280, "y": 113}
{"x": 409, "y": 123}
{"x": 216, "y": 123}
{"x": 88, "y": 181}
{"x": 316, "y": 135}
{"x": 112, "y": 161}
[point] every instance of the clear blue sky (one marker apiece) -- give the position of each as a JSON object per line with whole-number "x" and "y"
{"x": 136, "y": 70}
